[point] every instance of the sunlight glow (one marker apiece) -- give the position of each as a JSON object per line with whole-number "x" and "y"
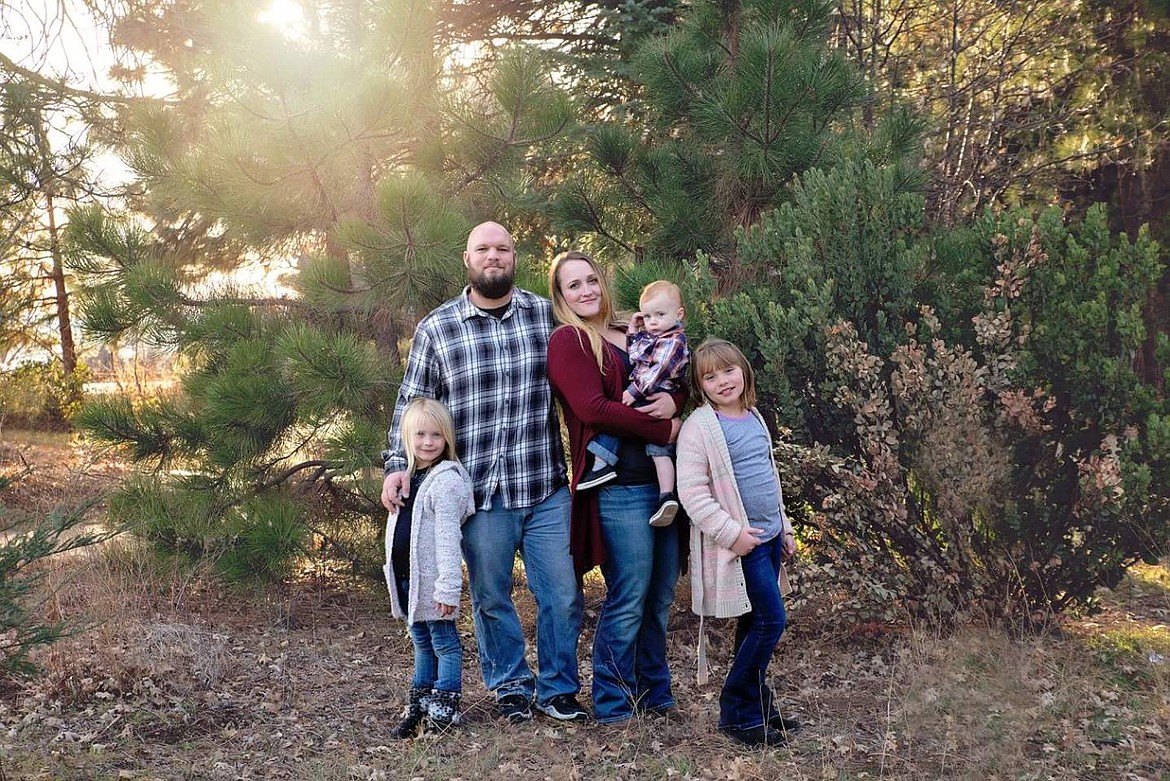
{"x": 287, "y": 16}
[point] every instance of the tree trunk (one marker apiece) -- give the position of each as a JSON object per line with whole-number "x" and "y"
{"x": 61, "y": 292}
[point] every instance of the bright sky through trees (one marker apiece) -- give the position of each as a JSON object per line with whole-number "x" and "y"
{"x": 65, "y": 41}
{"x": 287, "y": 16}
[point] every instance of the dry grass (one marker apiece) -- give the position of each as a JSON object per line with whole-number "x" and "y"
{"x": 178, "y": 677}
{"x": 51, "y": 469}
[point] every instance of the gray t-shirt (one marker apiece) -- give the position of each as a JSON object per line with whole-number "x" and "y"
{"x": 750, "y": 448}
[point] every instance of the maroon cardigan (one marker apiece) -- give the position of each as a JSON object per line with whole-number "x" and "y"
{"x": 591, "y": 402}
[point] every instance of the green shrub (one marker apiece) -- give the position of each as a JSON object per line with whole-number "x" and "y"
{"x": 252, "y": 541}
{"x": 1090, "y": 451}
{"x": 1000, "y": 454}
{"x": 41, "y": 395}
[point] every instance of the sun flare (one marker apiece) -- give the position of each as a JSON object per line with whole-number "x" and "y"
{"x": 287, "y": 16}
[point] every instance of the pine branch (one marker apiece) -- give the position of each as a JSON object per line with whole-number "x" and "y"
{"x": 598, "y": 224}
{"x": 62, "y": 88}
{"x": 319, "y": 466}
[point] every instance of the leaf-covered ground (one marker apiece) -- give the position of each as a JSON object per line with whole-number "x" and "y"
{"x": 177, "y": 677}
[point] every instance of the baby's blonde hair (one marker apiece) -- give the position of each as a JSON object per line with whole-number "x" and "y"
{"x": 661, "y": 286}
{"x": 436, "y": 412}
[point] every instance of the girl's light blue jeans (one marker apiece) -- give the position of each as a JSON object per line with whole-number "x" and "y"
{"x": 438, "y": 655}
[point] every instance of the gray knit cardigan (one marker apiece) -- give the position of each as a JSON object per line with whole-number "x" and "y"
{"x": 441, "y": 505}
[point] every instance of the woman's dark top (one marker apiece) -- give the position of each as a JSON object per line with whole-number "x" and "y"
{"x": 634, "y": 467}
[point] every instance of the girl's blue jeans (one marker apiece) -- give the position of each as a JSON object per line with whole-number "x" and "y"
{"x": 629, "y": 648}
{"x": 438, "y": 655}
{"x": 746, "y": 701}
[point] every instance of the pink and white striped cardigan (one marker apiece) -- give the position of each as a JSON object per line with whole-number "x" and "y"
{"x": 710, "y": 496}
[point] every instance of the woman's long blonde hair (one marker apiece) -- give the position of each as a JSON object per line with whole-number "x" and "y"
{"x": 436, "y": 412}
{"x": 565, "y": 315}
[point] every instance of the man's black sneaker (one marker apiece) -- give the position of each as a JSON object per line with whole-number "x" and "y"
{"x": 599, "y": 475}
{"x": 563, "y": 707}
{"x": 787, "y": 726}
{"x": 667, "y": 509}
{"x": 516, "y": 708}
{"x": 756, "y": 736}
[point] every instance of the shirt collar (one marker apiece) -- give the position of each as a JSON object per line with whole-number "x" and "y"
{"x": 520, "y": 298}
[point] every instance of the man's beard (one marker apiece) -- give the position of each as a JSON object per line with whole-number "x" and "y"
{"x": 492, "y": 287}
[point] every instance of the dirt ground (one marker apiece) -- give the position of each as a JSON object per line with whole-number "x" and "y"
{"x": 173, "y": 675}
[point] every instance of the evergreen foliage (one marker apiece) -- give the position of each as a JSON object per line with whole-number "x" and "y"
{"x": 345, "y": 150}
{"x": 1012, "y": 468}
{"x": 28, "y": 544}
{"x": 739, "y": 98}
{"x": 39, "y": 177}
{"x": 1087, "y": 435}
{"x": 256, "y": 539}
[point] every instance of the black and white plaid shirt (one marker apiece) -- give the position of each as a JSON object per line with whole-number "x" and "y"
{"x": 492, "y": 374}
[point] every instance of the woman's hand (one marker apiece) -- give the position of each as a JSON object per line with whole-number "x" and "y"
{"x": 748, "y": 541}
{"x": 661, "y": 406}
{"x": 444, "y": 610}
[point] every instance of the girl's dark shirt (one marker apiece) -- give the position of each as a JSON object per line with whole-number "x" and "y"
{"x": 400, "y": 547}
{"x": 634, "y": 467}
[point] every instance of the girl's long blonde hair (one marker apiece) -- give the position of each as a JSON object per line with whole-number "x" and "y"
{"x": 565, "y": 315}
{"x": 436, "y": 412}
{"x": 715, "y": 354}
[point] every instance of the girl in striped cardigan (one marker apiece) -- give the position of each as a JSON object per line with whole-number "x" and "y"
{"x": 729, "y": 487}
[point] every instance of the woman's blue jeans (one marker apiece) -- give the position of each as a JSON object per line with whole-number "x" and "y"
{"x": 629, "y": 648}
{"x": 438, "y": 656}
{"x": 746, "y": 701}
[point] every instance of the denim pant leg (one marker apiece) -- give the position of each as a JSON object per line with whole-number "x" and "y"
{"x": 746, "y": 699}
{"x": 426, "y": 663}
{"x": 654, "y": 691}
{"x": 553, "y": 581}
{"x": 490, "y": 541}
{"x": 449, "y": 654}
{"x": 629, "y": 542}
{"x": 605, "y": 447}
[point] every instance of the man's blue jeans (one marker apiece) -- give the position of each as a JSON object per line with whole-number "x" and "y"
{"x": 491, "y": 539}
{"x": 438, "y": 656}
{"x": 629, "y": 648}
{"x": 746, "y": 701}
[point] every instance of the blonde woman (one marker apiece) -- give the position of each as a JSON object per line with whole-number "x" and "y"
{"x": 589, "y": 369}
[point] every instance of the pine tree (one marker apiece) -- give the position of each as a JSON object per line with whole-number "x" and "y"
{"x": 28, "y": 542}
{"x": 43, "y": 171}
{"x": 741, "y": 96}
{"x": 347, "y": 149}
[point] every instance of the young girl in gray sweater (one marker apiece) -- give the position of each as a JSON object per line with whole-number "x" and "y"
{"x": 424, "y": 566}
